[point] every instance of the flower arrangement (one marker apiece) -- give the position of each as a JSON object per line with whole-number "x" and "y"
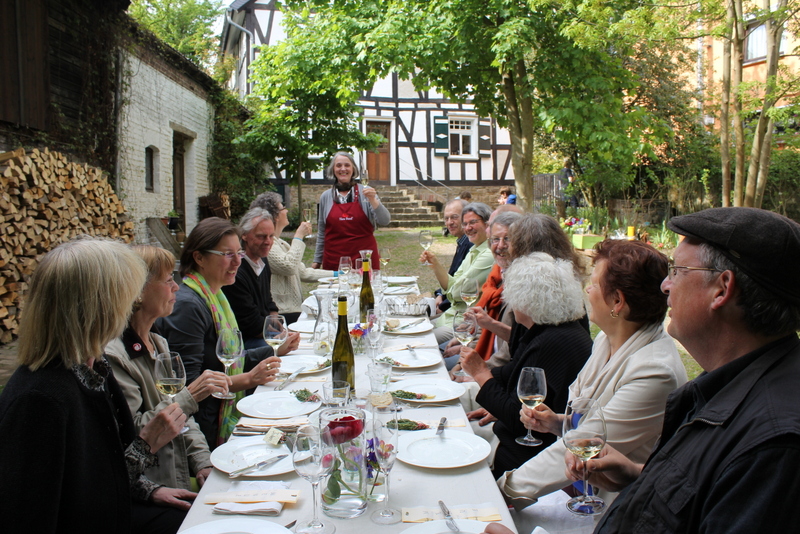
{"x": 357, "y": 335}
{"x": 574, "y": 225}
{"x": 345, "y": 493}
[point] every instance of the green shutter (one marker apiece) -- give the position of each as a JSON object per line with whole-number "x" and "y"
{"x": 484, "y": 138}
{"x": 441, "y": 129}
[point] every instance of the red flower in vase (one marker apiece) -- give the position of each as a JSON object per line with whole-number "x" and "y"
{"x": 345, "y": 429}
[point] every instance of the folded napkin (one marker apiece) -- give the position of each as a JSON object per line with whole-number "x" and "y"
{"x": 255, "y": 508}
{"x": 401, "y": 290}
{"x": 309, "y": 306}
{"x": 254, "y": 423}
{"x": 478, "y": 512}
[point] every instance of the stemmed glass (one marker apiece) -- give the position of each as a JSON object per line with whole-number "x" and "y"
{"x": 426, "y": 240}
{"x": 313, "y": 460}
{"x": 170, "y": 376}
{"x": 386, "y": 257}
{"x": 464, "y": 329}
{"x": 375, "y": 335}
{"x": 531, "y": 390}
{"x": 345, "y": 265}
{"x": 469, "y": 291}
{"x": 308, "y": 216}
{"x": 385, "y": 438}
{"x": 229, "y": 348}
{"x": 584, "y": 434}
{"x": 275, "y": 332}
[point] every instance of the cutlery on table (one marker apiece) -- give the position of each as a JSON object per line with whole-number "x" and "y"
{"x": 412, "y": 323}
{"x": 290, "y": 378}
{"x": 413, "y": 373}
{"x": 262, "y": 463}
{"x": 448, "y": 519}
{"x": 290, "y": 524}
{"x": 440, "y": 428}
{"x": 411, "y": 351}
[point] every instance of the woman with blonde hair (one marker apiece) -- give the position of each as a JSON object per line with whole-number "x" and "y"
{"x": 133, "y": 358}
{"x": 65, "y": 428}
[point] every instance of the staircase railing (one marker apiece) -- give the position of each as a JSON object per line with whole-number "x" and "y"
{"x": 444, "y": 198}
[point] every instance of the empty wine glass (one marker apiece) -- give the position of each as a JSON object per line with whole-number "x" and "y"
{"x": 584, "y": 434}
{"x": 374, "y": 335}
{"x": 308, "y": 216}
{"x": 230, "y": 348}
{"x": 170, "y": 376}
{"x": 531, "y": 390}
{"x": 464, "y": 330}
{"x": 275, "y": 332}
{"x": 313, "y": 460}
{"x": 385, "y": 439}
{"x": 469, "y": 291}
{"x": 426, "y": 240}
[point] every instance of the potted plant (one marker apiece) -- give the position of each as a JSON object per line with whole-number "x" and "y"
{"x": 174, "y": 220}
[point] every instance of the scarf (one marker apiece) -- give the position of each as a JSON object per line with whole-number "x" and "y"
{"x": 223, "y": 317}
{"x": 492, "y": 302}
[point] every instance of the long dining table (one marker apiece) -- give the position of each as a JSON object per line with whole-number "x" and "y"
{"x": 411, "y": 486}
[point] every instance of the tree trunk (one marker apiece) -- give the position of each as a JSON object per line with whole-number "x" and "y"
{"x": 738, "y": 125}
{"x": 763, "y": 165}
{"x": 725, "y": 125}
{"x": 520, "y": 124}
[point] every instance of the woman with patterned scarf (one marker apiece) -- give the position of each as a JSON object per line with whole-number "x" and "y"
{"x": 210, "y": 258}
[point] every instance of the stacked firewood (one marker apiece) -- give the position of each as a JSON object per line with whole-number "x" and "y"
{"x": 45, "y": 200}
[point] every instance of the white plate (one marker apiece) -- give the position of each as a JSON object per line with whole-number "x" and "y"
{"x": 401, "y": 279}
{"x": 241, "y": 452}
{"x": 421, "y": 328}
{"x": 292, "y": 362}
{"x": 424, "y": 448}
{"x": 442, "y": 390}
{"x": 425, "y": 358}
{"x": 328, "y": 280}
{"x": 237, "y": 525}
{"x": 275, "y": 405}
{"x": 467, "y": 526}
{"x": 304, "y": 327}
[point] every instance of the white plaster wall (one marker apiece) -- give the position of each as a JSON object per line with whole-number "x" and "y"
{"x": 154, "y": 107}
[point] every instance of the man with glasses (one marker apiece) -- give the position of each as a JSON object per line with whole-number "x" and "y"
{"x": 452, "y": 222}
{"x": 729, "y": 454}
{"x": 476, "y": 266}
{"x": 250, "y": 297}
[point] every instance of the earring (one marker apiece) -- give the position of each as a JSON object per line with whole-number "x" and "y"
{"x": 614, "y": 314}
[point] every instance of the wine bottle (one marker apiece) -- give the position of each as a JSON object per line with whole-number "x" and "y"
{"x": 343, "y": 363}
{"x": 367, "y": 297}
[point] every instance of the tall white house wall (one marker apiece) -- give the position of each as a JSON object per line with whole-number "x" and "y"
{"x": 155, "y": 105}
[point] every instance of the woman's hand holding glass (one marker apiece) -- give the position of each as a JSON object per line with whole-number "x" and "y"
{"x": 610, "y": 469}
{"x": 541, "y": 419}
{"x": 207, "y": 383}
{"x": 264, "y": 372}
{"x": 275, "y": 331}
{"x": 584, "y": 434}
{"x": 230, "y": 347}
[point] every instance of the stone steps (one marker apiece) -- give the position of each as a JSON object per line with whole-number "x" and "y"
{"x": 408, "y": 211}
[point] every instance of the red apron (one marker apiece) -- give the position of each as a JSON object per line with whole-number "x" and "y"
{"x": 348, "y": 230}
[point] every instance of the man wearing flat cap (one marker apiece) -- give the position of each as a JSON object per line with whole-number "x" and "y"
{"x": 729, "y": 455}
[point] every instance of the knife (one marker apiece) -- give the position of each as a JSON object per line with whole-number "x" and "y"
{"x": 262, "y": 463}
{"x": 411, "y": 351}
{"x": 412, "y": 323}
{"x": 290, "y": 378}
{"x": 448, "y": 519}
{"x": 440, "y": 428}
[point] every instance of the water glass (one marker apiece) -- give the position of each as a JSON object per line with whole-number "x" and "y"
{"x": 336, "y": 393}
{"x": 380, "y": 374}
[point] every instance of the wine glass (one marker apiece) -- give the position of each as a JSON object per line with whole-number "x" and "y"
{"x": 464, "y": 329}
{"x": 374, "y": 335}
{"x": 170, "y": 376}
{"x": 365, "y": 178}
{"x": 531, "y": 390}
{"x": 386, "y": 257}
{"x": 308, "y": 216}
{"x": 585, "y": 436}
{"x": 469, "y": 291}
{"x": 426, "y": 240}
{"x": 313, "y": 460}
{"x": 385, "y": 437}
{"x": 275, "y": 332}
{"x": 230, "y": 348}
{"x": 345, "y": 265}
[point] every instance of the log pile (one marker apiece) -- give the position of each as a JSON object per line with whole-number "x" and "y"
{"x": 45, "y": 200}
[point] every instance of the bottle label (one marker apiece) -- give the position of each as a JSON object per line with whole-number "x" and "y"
{"x": 365, "y": 266}
{"x": 342, "y": 307}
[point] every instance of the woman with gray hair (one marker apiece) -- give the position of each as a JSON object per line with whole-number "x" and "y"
{"x": 547, "y": 300}
{"x": 286, "y": 260}
{"x": 347, "y": 216}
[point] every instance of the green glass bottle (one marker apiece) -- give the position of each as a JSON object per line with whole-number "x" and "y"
{"x": 367, "y": 297}
{"x": 343, "y": 365}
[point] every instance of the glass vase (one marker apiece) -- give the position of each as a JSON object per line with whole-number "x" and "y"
{"x": 345, "y": 495}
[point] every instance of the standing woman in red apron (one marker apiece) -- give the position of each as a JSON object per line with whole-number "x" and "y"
{"x": 348, "y": 216}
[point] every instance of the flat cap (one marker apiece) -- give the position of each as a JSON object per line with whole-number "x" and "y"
{"x": 763, "y": 244}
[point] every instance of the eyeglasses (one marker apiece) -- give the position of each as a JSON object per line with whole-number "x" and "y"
{"x": 673, "y": 269}
{"x": 497, "y": 240}
{"x": 453, "y": 218}
{"x": 473, "y": 222}
{"x": 228, "y": 255}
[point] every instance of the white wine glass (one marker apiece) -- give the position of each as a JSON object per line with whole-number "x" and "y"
{"x": 275, "y": 331}
{"x": 375, "y": 334}
{"x": 230, "y": 348}
{"x": 313, "y": 458}
{"x": 365, "y": 178}
{"x": 308, "y": 216}
{"x": 386, "y": 257}
{"x": 425, "y": 241}
{"x": 385, "y": 437}
{"x": 464, "y": 329}
{"x": 469, "y": 291}
{"x": 345, "y": 266}
{"x": 531, "y": 390}
{"x": 584, "y": 434}
{"x": 170, "y": 376}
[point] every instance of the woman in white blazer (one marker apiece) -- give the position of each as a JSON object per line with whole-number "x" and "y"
{"x": 634, "y": 365}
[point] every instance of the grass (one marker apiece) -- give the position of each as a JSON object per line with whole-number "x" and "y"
{"x": 406, "y": 250}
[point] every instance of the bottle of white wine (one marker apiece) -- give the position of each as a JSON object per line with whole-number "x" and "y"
{"x": 343, "y": 363}
{"x": 367, "y": 297}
